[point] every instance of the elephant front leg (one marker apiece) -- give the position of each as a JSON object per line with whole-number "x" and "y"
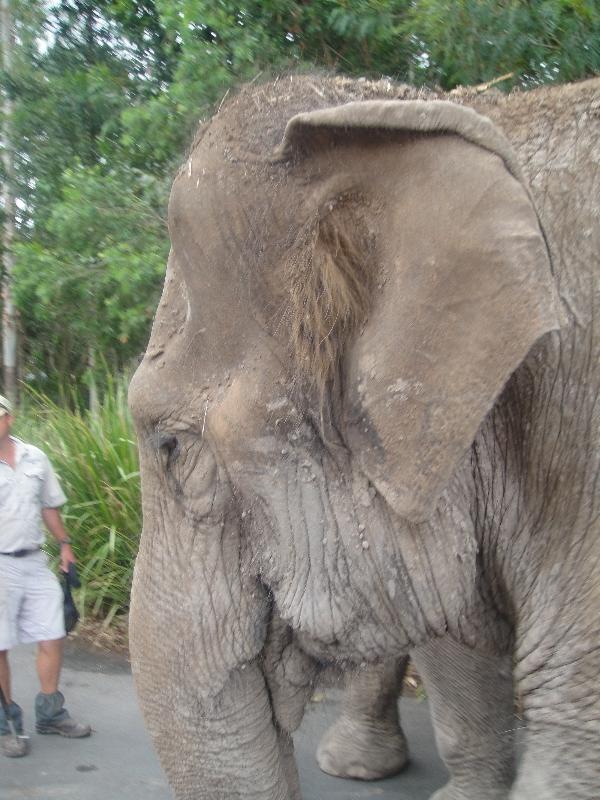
{"x": 367, "y": 742}
{"x": 472, "y": 701}
{"x": 562, "y": 712}
{"x": 560, "y": 764}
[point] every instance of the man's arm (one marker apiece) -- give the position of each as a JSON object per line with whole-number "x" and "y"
{"x": 53, "y": 521}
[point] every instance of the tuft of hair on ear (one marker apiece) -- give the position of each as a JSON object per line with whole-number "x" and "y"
{"x": 329, "y": 276}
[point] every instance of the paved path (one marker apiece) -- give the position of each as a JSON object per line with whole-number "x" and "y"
{"x": 117, "y": 761}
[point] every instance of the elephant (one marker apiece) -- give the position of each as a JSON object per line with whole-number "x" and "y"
{"x": 368, "y": 425}
{"x": 367, "y": 742}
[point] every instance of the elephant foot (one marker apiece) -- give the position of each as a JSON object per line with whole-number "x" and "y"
{"x": 451, "y": 791}
{"x": 362, "y": 750}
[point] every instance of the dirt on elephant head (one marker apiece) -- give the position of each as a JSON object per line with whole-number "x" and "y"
{"x": 254, "y": 118}
{"x": 321, "y": 293}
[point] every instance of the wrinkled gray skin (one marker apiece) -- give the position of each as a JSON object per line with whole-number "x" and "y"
{"x": 367, "y": 742}
{"x": 439, "y": 496}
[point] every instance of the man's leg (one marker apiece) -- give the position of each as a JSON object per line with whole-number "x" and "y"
{"x": 13, "y": 747}
{"x": 49, "y": 663}
{"x": 10, "y": 745}
{"x": 10, "y": 599}
{"x": 41, "y": 620}
{"x": 5, "y": 675}
{"x": 50, "y": 712}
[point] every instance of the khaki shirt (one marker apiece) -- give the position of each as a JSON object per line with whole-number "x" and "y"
{"x": 24, "y": 492}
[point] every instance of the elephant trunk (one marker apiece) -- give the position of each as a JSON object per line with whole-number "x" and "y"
{"x": 223, "y": 749}
{"x": 198, "y": 624}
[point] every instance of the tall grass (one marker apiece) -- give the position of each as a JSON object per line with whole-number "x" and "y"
{"x": 96, "y": 458}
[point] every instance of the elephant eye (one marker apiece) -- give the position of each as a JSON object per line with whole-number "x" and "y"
{"x": 187, "y": 467}
{"x": 168, "y": 446}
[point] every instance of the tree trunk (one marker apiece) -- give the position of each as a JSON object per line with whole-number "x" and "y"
{"x": 9, "y": 314}
{"x": 94, "y": 400}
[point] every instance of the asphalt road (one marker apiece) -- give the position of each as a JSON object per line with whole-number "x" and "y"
{"x": 117, "y": 762}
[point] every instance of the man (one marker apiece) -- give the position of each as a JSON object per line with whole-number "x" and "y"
{"x": 31, "y": 600}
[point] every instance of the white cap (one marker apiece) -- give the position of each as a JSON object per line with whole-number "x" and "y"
{"x": 5, "y": 406}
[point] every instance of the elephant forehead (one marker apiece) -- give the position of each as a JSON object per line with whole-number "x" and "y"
{"x": 217, "y": 248}
{"x": 209, "y": 228}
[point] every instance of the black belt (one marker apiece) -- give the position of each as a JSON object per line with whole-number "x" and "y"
{"x": 21, "y": 553}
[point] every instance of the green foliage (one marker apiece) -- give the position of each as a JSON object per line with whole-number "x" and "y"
{"x": 93, "y": 242}
{"x": 95, "y": 456}
{"x": 93, "y": 284}
{"x": 69, "y": 96}
{"x": 461, "y": 42}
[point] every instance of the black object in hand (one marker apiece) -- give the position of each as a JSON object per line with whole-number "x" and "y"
{"x": 73, "y": 577}
{"x": 70, "y": 579}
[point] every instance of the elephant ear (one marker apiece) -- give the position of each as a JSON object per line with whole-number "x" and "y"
{"x": 463, "y": 291}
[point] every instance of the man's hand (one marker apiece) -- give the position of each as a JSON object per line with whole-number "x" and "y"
{"x": 53, "y": 521}
{"x": 66, "y": 557}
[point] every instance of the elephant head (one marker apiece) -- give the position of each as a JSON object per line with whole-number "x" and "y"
{"x": 349, "y": 288}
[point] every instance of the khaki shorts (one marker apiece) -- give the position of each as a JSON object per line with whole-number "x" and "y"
{"x": 31, "y": 601}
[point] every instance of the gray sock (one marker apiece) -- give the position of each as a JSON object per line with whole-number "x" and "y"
{"x": 50, "y": 707}
{"x": 16, "y": 715}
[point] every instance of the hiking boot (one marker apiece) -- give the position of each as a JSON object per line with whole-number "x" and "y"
{"x": 13, "y": 746}
{"x": 51, "y": 716}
